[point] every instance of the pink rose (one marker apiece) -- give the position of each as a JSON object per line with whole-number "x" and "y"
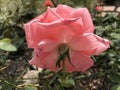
{"x": 98, "y": 8}
{"x": 64, "y": 26}
{"x": 48, "y": 3}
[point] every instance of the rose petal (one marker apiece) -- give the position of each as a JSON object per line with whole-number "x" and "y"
{"x": 81, "y": 62}
{"x": 30, "y": 30}
{"x": 102, "y": 45}
{"x": 58, "y": 30}
{"x": 44, "y": 60}
{"x": 50, "y": 16}
{"x": 64, "y": 10}
{"x": 62, "y": 34}
{"x": 83, "y": 14}
{"x": 36, "y": 59}
{"x": 29, "y": 34}
{"x": 58, "y": 23}
{"x": 49, "y": 61}
{"x": 48, "y": 45}
{"x": 89, "y": 43}
{"x": 39, "y": 33}
{"x": 76, "y": 26}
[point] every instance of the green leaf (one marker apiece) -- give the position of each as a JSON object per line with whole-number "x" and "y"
{"x": 114, "y": 25}
{"x": 115, "y": 35}
{"x": 116, "y": 87}
{"x": 70, "y": 81}
{"x": 59, "y": 59}
{"x": 68, "y": 56}
{"x": 99, "y": 28}
{"x": 67, "y": 82}
{"x": 5, "y": 44}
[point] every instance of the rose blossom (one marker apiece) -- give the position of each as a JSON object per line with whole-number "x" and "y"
{"x": 48, "y": 3}
{"x": 98, "y": 8}
{"x": 66, "y": 26}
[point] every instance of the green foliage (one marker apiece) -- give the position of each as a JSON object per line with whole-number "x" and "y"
{"x": 13, "y": 14}
{"x": 116, "y": 87}
{"x": 67, "y": 82}
{"x": 9, "y": 84}
{"x": 56, "y": 80}
{"x": 90, "y": 4}
{"x": 109, "y": 27}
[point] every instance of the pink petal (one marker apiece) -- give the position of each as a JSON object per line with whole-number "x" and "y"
{"x": 57, "y": 23}
{"x": 62, "y": 34}
{"x": 64, "y": 10}
{"x": 50, "y": 16}
{"x": 84, "y": 15}
{"x": 30, "y": 30}
{"x": 37, "y": 30}
{"x": 29, "y": 34}
{"x": 76, "y": 26}
{"x": 36, "y": 59}
{"x": 58, "y": 30}
{"x": 48, "y": 45}
{"x": 89, "y": 43}
{"x": 36, "y": 33}
{"x": 49, "y": 61}
{"x": 45, "y": 60}
{"x": 81, "y": 62}
{"x": 104, "y": 45}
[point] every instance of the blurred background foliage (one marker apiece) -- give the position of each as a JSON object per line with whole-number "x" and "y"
{"x": 14, "y": 13}
{"x": 109, "y": 61}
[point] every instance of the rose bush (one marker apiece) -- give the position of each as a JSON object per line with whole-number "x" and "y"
{"x": 67, "y": 27}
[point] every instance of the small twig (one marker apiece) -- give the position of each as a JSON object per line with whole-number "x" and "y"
{"x": 19, "y": 86}
{"x": 29, "y": 78}
{"x": 53, "y": 79}
{"x": 23, "y": 85}
{"x": 50, "y": 75}
{"x": 8, "y": 83}
{"x": 24, "y": 71}
{"x": 2, "y": 68}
